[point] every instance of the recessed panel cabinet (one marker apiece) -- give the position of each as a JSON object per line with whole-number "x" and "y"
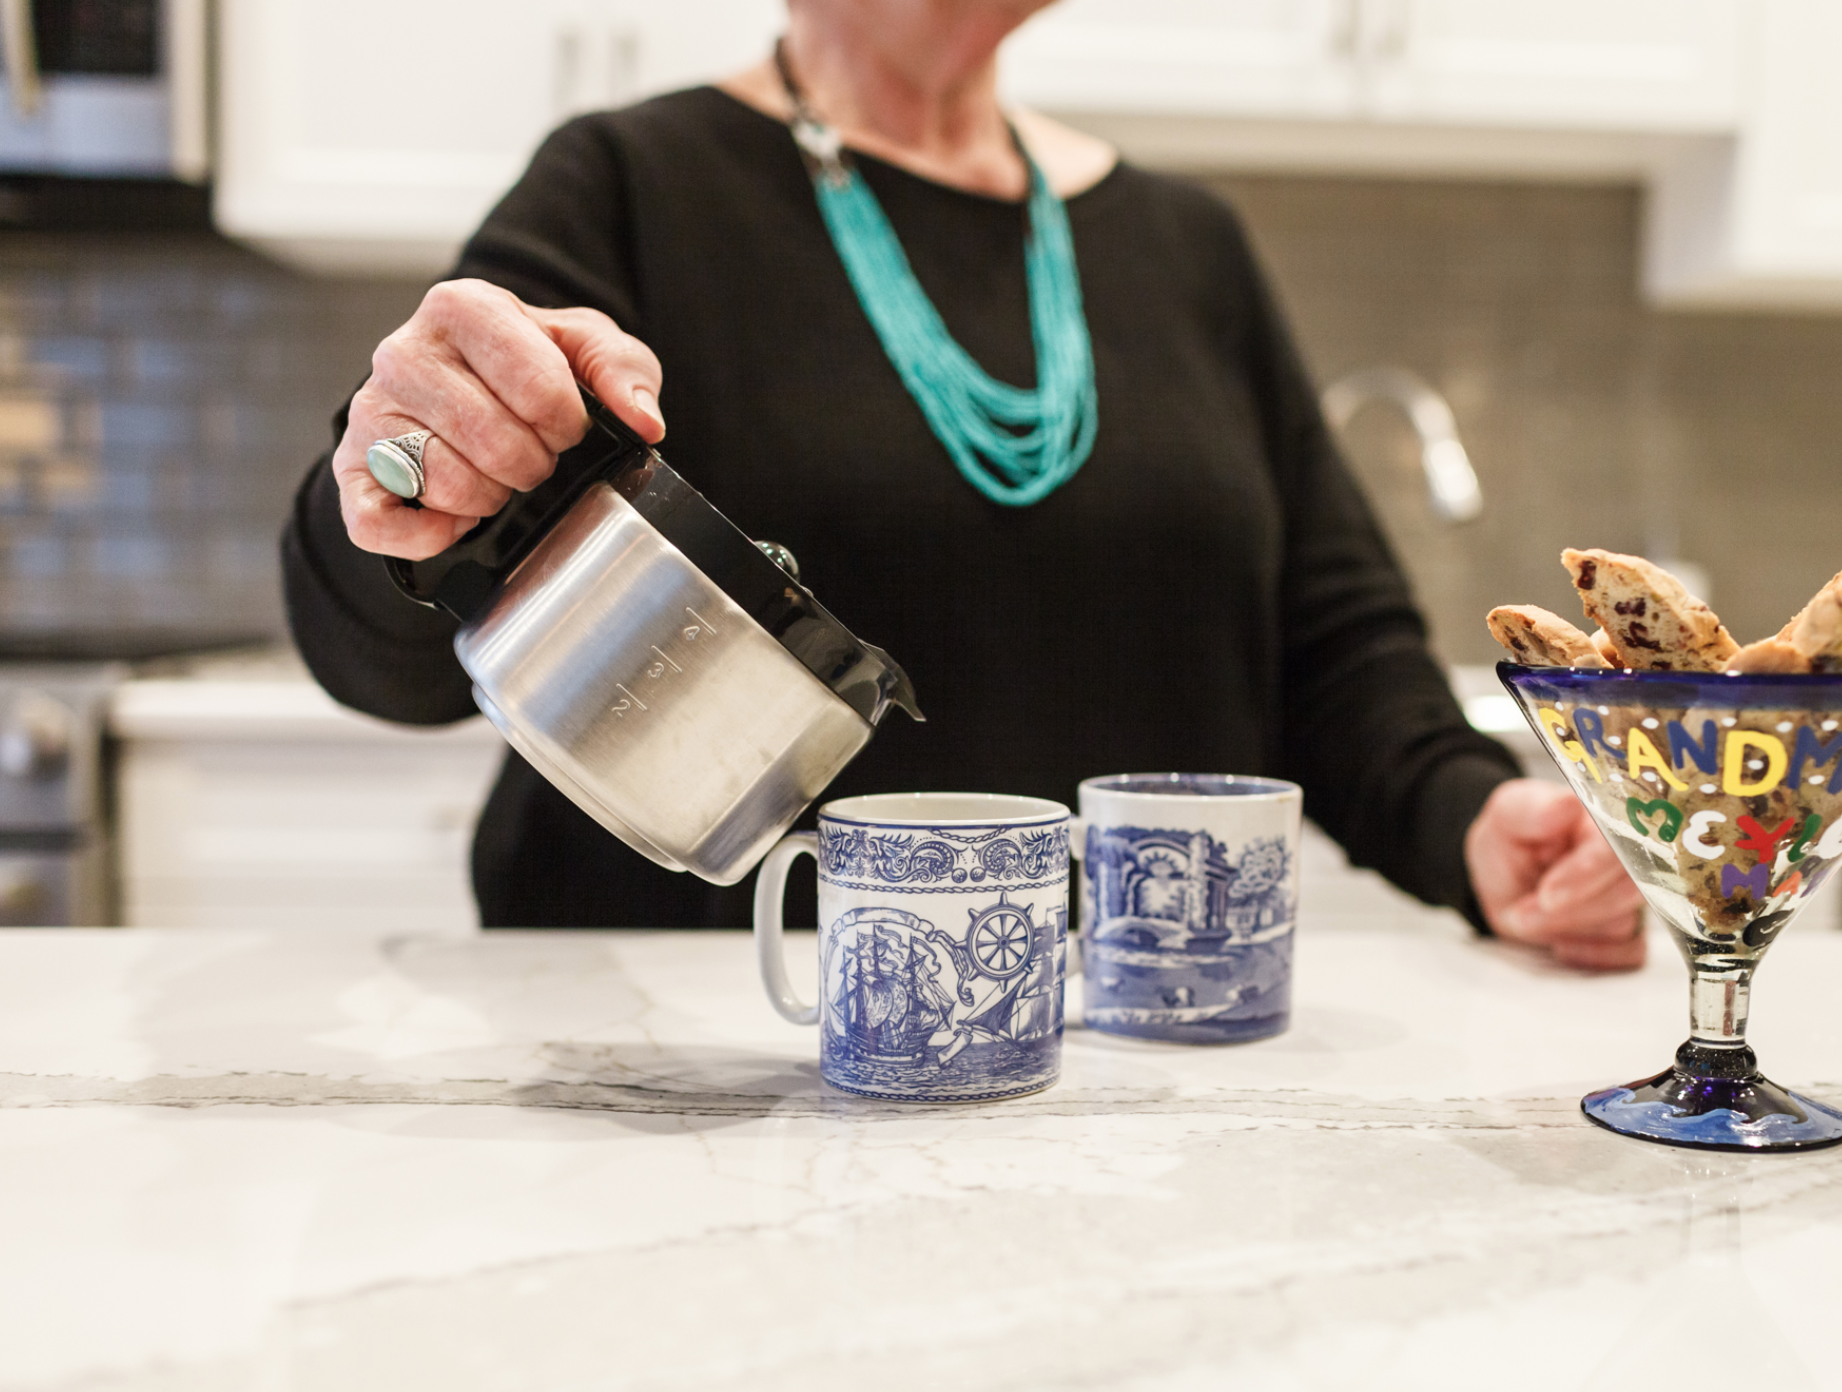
{"x": 1248, "y": 58}
{"x": 1644, "y": 65}
{"x": 1616, "y": 64}
{"x": 376, "y": 136}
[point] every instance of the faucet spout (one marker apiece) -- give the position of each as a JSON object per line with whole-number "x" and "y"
{"x": 1450, "y": 479}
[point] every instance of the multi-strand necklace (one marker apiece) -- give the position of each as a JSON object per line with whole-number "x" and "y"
{"x": 1015, "y": 445}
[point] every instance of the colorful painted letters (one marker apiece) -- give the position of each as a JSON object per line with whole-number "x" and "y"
{"x": 1695, "y": 841}
{"x": 1747, "y": 763}
{"x": 1800, "y": 846}
{"x": 1814, "y": 750}
{"x": 1571, "y": 750}
{"x": 1740, "y": 743}
{"x": 1637, "y": 809}
{"x": 1760, "y": 841}
{"x": 1644, "y": 756}
{"x": 1756, "y": 881}
{"x": 1701, "y": 751}
{"x": 1729, "y": 753}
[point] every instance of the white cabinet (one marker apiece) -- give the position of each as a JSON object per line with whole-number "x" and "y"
{"x": 1630, "y": 65}
{"x": 376, "y": 136}
{"x": 254, "y": 801}
{"x": 1758, "y": 220}
{"x": 1729, "y": 110}
{"x": 1616, "y": 65}
{"x": 1274, "y": 58}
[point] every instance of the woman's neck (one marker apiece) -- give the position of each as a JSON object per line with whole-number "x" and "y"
{"x": 920, "y": 94}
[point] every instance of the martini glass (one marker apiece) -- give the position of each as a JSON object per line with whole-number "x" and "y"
{"x": 1722, "y": 795}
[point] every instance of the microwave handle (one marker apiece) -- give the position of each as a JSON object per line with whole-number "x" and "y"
{"x": 22, "y": 77}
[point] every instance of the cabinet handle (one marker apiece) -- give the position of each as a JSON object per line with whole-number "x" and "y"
{"x": 1395, "y": 29}
{"x": 623, "y": 66}
{"x": 586, "y": 76}
{"x": 566, "y": 73}
{"x": 1346, "y": 28}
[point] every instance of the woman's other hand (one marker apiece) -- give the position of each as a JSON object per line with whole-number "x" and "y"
{"x": 1545, "y": 876}
{"x": 495, "y": 380}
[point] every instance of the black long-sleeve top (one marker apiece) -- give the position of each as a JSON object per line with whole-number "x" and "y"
{"x": 1210, "y": 592}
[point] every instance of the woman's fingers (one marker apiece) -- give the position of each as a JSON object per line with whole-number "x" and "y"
{"x": 451, "y": 482}
{"x": 1613, "y": 940}
{"x": 493, "y": 335}
{"x": 413, "y": 380}
{"x": 1537, "y": 918}
{"x": 494, "y": 380}
{"x": 377, "y": 520}
{"x": 1582, "y": 884}
{"x": 1600, "y": 954}
{"x": 623, "y": 373}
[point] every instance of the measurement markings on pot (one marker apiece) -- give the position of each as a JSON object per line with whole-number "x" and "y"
{"x": 657, "y": 669}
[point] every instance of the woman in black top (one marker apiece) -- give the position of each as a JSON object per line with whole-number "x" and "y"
{"x": 1208, "y": 591}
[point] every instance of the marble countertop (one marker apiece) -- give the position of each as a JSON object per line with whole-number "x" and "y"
{"x": 584, "y": 1161}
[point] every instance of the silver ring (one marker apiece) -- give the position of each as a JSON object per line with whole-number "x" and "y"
{"x": 397, "y": 463}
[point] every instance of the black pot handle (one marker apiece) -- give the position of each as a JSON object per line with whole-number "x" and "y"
{"x": 461, "y": 578}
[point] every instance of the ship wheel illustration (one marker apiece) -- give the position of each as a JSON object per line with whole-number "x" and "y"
{"x": 1001, "y": 939}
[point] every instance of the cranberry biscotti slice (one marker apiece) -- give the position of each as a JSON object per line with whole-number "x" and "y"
{"x": 1652, "y": 622}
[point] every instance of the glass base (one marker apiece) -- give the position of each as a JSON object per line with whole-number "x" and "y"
{"x": 1715, "y": 1099}
{"x": 1179, "y": 1031}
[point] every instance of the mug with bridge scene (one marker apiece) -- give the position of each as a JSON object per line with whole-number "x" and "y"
{"x": 1189, "y": 893}
{"x": 942, "y": 943}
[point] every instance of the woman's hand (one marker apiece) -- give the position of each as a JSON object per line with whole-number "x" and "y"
{"x": 495, "y": 380}
{"x": 1545, "y": 876}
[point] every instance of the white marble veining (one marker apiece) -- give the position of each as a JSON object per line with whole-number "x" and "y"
{"x": 586, "y": 1161}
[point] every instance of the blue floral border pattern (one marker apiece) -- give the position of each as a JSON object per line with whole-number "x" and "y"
{"x": 937, "y": 858}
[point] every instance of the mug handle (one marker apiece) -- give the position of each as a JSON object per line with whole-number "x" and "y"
{"x": 770, "y": 892}
{"x": 1077, "y": 837}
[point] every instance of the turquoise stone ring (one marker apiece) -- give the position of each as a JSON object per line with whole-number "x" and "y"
{"x": 397, "y": 463}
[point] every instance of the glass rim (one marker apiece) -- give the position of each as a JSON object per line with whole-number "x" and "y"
{"x": 1246, "y": 787}
{"x": 1814, "y": 692}
{"x": 1595, "y": 675}
{"x": 1023, "y": 810}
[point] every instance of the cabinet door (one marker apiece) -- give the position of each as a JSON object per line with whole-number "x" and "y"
{"x": 1626, "y": 65}
{"x": 388, "y": 123}
{"x": 1270, "y": 58}
{"x": 1758, "y": 221}
{"x": 371, "y": 134}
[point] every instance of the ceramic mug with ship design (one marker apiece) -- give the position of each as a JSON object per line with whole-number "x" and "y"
{"x": 942, "y": 943}
{"x": 1189, "y": 892}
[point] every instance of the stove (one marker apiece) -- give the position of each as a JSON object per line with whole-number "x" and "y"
{"x": 57, "y": 853}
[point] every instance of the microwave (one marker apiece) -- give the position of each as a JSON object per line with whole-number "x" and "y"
{"x": 101, "y": 88}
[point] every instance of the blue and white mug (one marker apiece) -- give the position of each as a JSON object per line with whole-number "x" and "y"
{"x": 942, "y": 943}
{"x": 1189, "y": 894}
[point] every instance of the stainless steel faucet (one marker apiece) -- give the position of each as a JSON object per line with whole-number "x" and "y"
{"x": 20, "y": 54}
{"x": 1450, "y": 479}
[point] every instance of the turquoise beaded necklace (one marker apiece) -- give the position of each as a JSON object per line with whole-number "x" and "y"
{"x": 1015, "y": 446}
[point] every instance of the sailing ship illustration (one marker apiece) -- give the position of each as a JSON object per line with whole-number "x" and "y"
{"x": 903, "y": 992}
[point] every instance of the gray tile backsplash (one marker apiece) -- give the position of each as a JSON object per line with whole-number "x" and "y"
{"x": 159, "y": 399}
{"x": 160, "y": 396}
{"x": 1591, "y": 418}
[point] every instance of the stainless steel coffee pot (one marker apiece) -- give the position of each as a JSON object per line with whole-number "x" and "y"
{"x": 680, "y": 685}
